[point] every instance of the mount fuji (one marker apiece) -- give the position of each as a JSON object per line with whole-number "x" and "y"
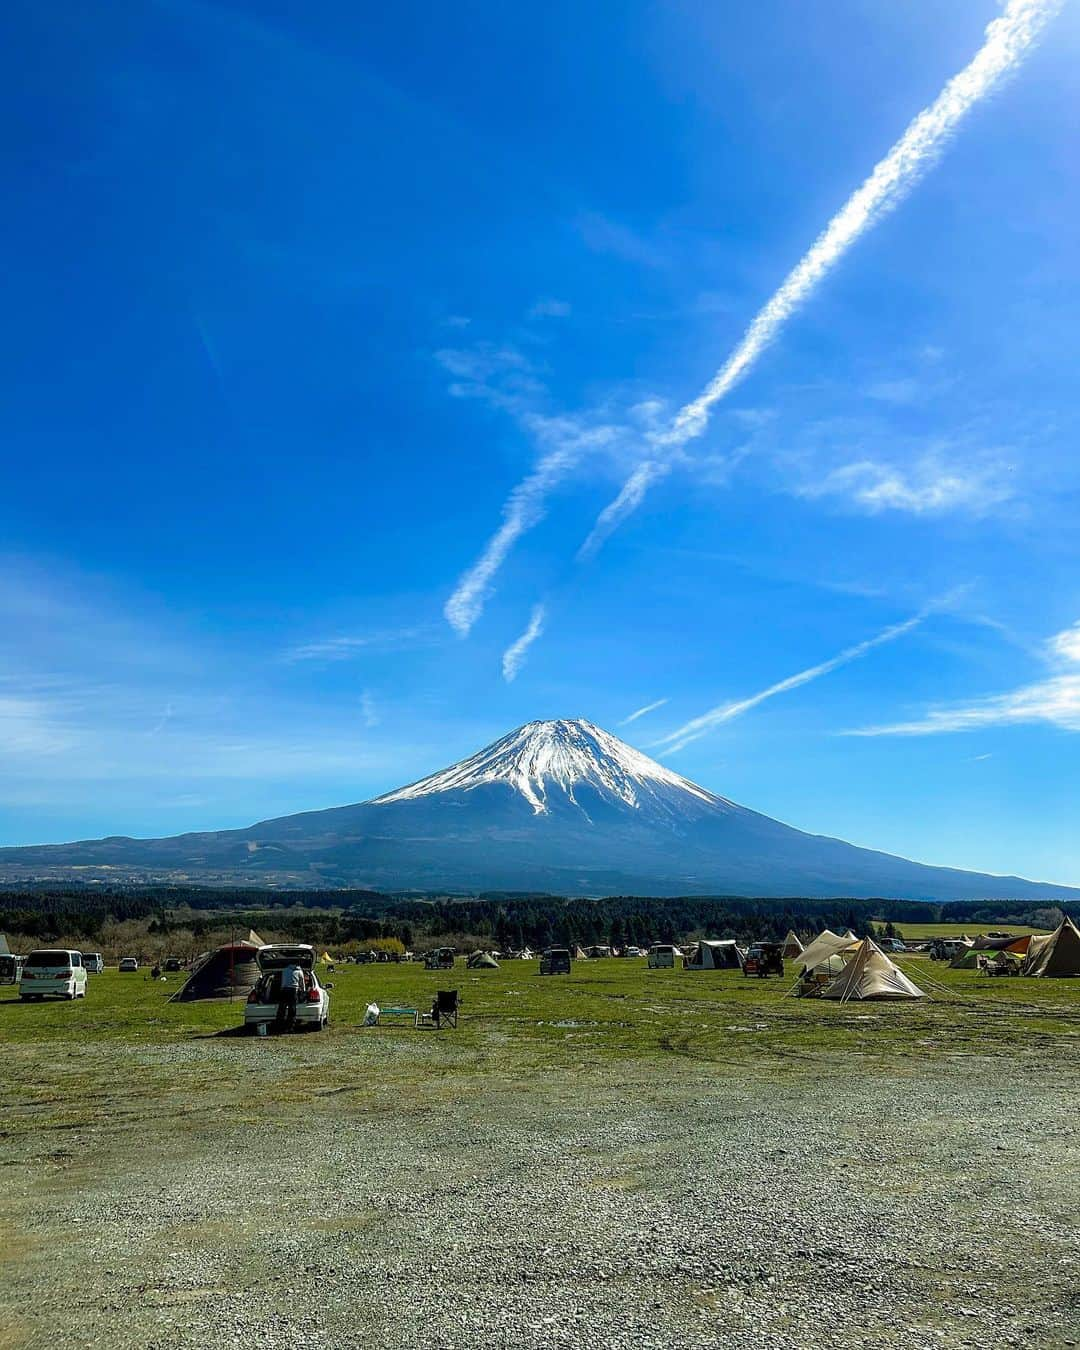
{"x": 560, "y": 806}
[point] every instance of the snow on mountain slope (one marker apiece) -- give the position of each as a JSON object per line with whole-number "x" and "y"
{"x": 542, "y": 759}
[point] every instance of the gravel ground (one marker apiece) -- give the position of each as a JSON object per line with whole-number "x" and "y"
{"x": 621, "y": 1205}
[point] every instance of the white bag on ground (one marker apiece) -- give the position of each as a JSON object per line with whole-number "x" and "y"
{"x": 371, "y": 1016}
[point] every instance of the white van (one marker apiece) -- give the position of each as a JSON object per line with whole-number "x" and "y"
{"x": 94, "y": 962}
{"x": 662, "y": 956}
{"x": 53, "y": 971}
{"x": 10, "y": 966}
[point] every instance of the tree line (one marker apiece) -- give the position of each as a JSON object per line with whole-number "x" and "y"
{"x": 502, "y": 920}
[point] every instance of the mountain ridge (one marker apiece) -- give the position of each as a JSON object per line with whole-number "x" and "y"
{"x": 559, "y": 805}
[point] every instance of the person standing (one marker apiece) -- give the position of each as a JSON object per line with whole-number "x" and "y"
{"x": 292, "y": 981}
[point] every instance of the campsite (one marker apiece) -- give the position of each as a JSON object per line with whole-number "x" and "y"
{"x": 583, "y": 1152}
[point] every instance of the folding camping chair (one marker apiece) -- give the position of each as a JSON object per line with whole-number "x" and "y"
{"x": 444, "y": 1011}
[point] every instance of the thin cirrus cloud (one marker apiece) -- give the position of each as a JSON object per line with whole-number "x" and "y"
{"x": 1008, "y": 39}
{"x": 726, "y": 712}
{"x": 927, "y": 487}
{"x": 514, "y": 656}
{"x": 345, "y": 647}
{"x": 642, "y": 712}
{"x": 1054, "y": 701}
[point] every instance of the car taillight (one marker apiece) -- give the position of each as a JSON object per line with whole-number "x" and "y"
{"x": 253, "y": 997}
{"x": 313, "y": 996}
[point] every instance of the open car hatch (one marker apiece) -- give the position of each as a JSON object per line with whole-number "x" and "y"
{"x": 278, "y": 955}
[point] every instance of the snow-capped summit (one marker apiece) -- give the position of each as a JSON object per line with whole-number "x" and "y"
{"x": 560, "y": 806}
{"x": 550, "y": 763}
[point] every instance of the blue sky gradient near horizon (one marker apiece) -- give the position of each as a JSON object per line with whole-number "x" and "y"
{"x": 289, "y": 294}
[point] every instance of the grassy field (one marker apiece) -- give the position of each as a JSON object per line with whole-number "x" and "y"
{"x": 948, "y": 930}
{"x": 516, "y": 1021}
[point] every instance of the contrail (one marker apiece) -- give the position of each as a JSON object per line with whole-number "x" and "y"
{"x": 1007, "y": 41}
{"x": 726, "y": 712}
{"x": 625, "y": 504}
{"x": 524, "y": 508}
{"x": 514, "y": 656}
{"x": 642, "y": 712}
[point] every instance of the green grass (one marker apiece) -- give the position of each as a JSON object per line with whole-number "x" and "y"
{"x": 615, "y": 1007}
{"x": 948, "y": 930}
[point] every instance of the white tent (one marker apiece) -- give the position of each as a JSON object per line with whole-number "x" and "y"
{"x": 721, "y": 955}
{"x": 792, "y": 946}
{"x": 870, "y": 975}
{"x": 5, "y": 950}
{"x": 824, "y": 947}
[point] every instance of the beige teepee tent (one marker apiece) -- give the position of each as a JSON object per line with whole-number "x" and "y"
{"x": 792, "y": 946}
{"x": 869, "y": 974}
{"x": 826, "y": 945}
{"x": 1056, "y": 954}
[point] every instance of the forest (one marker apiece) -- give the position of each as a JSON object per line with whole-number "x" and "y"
{"x": 152, "y": 920}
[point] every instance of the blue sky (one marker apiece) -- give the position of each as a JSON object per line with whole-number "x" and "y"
{"x": 297, "y": 296}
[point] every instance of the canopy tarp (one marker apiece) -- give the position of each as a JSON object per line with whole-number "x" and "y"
{"x": 1057, "y": 954}
{"x": 826, "y": 945}
{"x": 230, "y": 972}
{"x": 482, "y": 961}
{"x": 254, "y": 939}
{"x": 871, "y": 975}
{"x": 5, "y": 950}
{"x": 326, "y": 959}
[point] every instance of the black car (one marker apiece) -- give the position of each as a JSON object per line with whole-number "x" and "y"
{"x": 173, "y": 963}
{"x": 555, "y": 961}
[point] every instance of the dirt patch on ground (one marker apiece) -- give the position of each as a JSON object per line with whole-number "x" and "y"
{"x": 611, "y": 1205}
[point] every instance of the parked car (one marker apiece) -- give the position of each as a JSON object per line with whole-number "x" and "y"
{"x": 892, "y": 945}
{"x": 94, "y": 962}
{"x": 173, "y": 963}
{"x": 10, "y": 965}
{"x": 764, "y": 958}
{"x": 312, "y": 1006}
{"x": 662, "y": 956}
{"x": 442, "y": 958}
{"x": 53, "y": 972}
{"x": 128, "y": 964}
{"x": 555, "y": 961}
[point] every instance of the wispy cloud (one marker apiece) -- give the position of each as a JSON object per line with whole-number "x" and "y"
{"x": 927, "y": 487}
{"x": 369, "y": 713}
{"x": 1008, "y": 39}
{"x": 1055, "y": 701}
{"x": 514, "y": 656}
{"x": 642, "y": 712}
{"x": 550, "y": 309}
{"x": 726, "y": 712}
{"x": 568, "y": 441}
{"x": 1065, "y": 646}
{"x": 343, "y": 647}
{"x": 626, "y": 503}
{"x": 604, "y": 235}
